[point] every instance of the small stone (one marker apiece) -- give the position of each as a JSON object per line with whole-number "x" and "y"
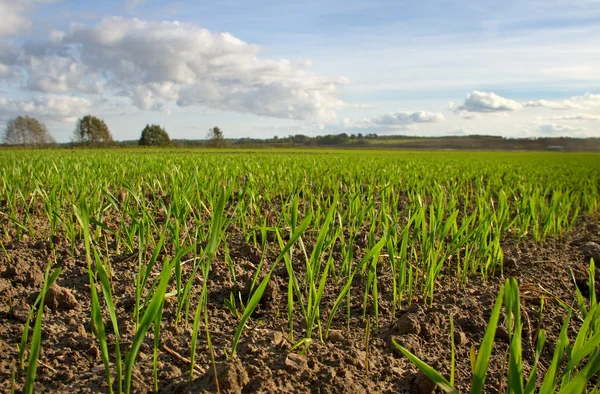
{"x": 335, "y": 336}
{"x": 460, "y": 338}
{"x": 295, "y": 363}
{"x": 408, "y": 324}
{"x": 276, "y": 338}
{"x": 423, "y": 385}
{"x": 591, "y": 250}
{"x": 60, "y": 298}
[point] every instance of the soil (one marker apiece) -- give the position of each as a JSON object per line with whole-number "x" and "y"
{"x": 265, "y": 362}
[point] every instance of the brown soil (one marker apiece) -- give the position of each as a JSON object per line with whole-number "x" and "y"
{"x": 70, "y": 357}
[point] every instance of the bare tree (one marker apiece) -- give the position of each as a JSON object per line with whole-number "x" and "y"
{"x": 25, "y": 130}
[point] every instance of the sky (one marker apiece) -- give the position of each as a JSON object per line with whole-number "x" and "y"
{"x": 265, "y": 68}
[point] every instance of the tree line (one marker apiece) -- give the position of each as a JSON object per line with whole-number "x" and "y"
{"x": 89, "y": 131}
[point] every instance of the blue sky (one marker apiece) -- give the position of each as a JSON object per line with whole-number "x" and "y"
{"x": 265, "y": 68}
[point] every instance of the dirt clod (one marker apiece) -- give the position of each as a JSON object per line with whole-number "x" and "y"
{"x": 295, "y": 363}
{"x": 60, "y": 298}
{"x": 335, "y": 336}
{"x": 23, "y": 273}
{"x": 408, "y": 324}
{"x": 232, "y": 376}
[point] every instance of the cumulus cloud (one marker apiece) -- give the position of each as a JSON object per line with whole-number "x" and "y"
{"x": 586, "y": 101}
{"x": 407, "y": 118}
{"x": 14, "y": 15}
{"x": 558, "y": 105}
{"x": 49, "y": 107}
{"x": 155, "y": 64}
{"x": 387, "y": 123}
{"x": 488, "y": 102}
{"x": 13, "y": 20}
{"x": 59, "y": 74}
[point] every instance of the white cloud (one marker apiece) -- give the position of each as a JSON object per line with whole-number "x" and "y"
{"x": 385, "y": 124}
{"x": 48, "y": 107}
{"x": 558, "y": 105}
{"x": 406, "y": 118}
{"x": 4, "y": 70}
{"x": 556, "y": 130}
{"x": 158, "y": 63}
{"x": 586, "y": 101}
{"x": 577, "y": 117}
{"x": 14, "y": 18}
{"x": 59, "y": 74}
{"x": 487, "y": 103}
{"x": 468, "y": 115}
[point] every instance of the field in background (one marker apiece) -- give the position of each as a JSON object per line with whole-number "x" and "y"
{"x": 305, "y": 264}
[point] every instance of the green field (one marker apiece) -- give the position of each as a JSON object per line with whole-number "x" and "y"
{"x": 353, "y": 238}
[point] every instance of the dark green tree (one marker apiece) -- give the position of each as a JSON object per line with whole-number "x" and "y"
{"x": 25, "y": 130}
{"x": 92, "y": 131}
{"x": 216, "y": 137}
{"x": 154, "y": 135}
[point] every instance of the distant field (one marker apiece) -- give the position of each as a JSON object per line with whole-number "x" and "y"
{"x": 305, "y": 264}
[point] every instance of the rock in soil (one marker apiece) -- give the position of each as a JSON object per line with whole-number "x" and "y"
{"x": 335, "y": 336}
{"x": 591, "y": 250}
{"x": 295, "y": 363}
{"x": 60, "y": 298}
{"x": 460, "y": 338}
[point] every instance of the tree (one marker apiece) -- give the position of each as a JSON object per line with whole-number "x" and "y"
{"x": 27, "y": 131}
{"x": 92, "y": 130}
{"x": 154, "y": 135}
{"x": 215, "y": 135}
